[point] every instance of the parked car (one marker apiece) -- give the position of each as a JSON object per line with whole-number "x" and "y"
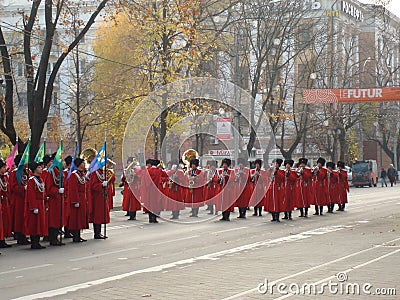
{"x": 364, "y": 173}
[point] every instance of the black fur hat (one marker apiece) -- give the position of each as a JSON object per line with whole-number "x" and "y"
{"x": 258, "y": 161}
{"x": 330, "y": 164}
{"x": 321, "y": 160}
{"x": 195, "y": 162}
{"x": 303, "y": 161}
{"x": 340, "y": 164}
{"x": 33, "y": 165}
{"x": 289, "y": 161}
{"x": 78, "y": 161}
{"x": 68, "y": 160}
{"x": 17, "y": 159}
{"x": 279, "y": 161}
{"x": 2, "y": 163}
{"x": 226, "y": 161}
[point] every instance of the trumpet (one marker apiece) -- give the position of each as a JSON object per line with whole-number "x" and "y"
{"x": 300, "y": 171}
{"x": 315, "y": 171}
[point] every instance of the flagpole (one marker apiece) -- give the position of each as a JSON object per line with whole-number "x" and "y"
{"x": 60, "y": 185}
{"x": 105, "y": 188}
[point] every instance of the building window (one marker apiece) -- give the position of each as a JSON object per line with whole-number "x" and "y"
{"x": 304, "y": 36}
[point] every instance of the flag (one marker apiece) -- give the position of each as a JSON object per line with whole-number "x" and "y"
{"x": 99, "y": 161}
{"x": 72, "y": 167}
{"x": 24, "y": 161}
{"x": 10, "y": 159}
{"x": 58, "y": 159}
{"x": 40, "y": 154}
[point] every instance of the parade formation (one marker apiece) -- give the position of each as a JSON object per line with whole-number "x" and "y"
{"x": 45, "y": 203}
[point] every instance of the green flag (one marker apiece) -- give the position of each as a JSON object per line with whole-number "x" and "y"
{"x": 58, "y": 159}
{"x": 24, "y": 161}
{"x": 40, "y": 154}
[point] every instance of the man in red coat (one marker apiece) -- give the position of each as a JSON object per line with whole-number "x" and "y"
{"x": 66, "y": 208}
{"x": 343, "y": 185}
{"x": 320, "y": 187}
{"x": 227, "y": 198}
{"x": 5, "y": 214}
{"x": 175, "y": 191}
{"x": 289, "y": 186}
{"x": 196, "y": 180}
{"x": 212, "y": 188}
{"x": 18, "y": 198}
{"x": 131, "y": 195}
{"x": 261, "y": 181}
{"x": 35, "y": 210}
{"x": 54, "y": 194}
{"x": 332, "y": 180}
{"x": 152, "y": 187}
{"x": 303, "y": 187}
{"x": 275, "y": 193}
{"x": 78, "y": 199}
{"x": 243, "y": 188}
{"x": 99, "y": 209}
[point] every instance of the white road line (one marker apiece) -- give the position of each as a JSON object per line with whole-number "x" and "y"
{"x": 25, "y": 269}
{"x": 175, "y": 240}
{"x": 101, "y": 254}
{"x": 227, "y": 230}
{"x": 180, "y": 263}
{"x": 346, "y": 271}
{"x": 310, "y": 269}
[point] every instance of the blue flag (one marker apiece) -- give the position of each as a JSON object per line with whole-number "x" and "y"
{"x": 99, "y": 161}
{"x": 24, "y": 161}
{"x": 72, "y": 167}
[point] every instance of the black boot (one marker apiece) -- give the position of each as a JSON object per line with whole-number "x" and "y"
{"x": 321, "y": 210}
{"x": 53, "y": 232}
{"x": 286, "y": 216}
{"x": 259, "y": 211}
{"x": 77, "y": 236}
{"x": 3, "y": 244}
{"x": 67, "y": 233}
{"x": 175, "y": 215}
{"x": 195, "y": 212}
{"x": 227, "y": 215}
{"x": 97, "y": 232}
{"x": 255, "y": 212}
{"x": 277, "y": 217}
{"x": 342, "y": 207}
{"x": 290, "y": 215}
{"x": 273, "y": 217}
{"x": 316, "y": 211}
{"x": 132, "y": 215}
{"x": 301, "y": 213}
{"x": 211, "y": 209}
{"x": 306, "y": 212}
{"x": 21, "y": 239}
{"x": 35, "y": 242}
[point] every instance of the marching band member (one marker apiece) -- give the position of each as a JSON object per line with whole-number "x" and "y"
{"x": 78, "y": 201}
{"x": 131, "y": 182}
{"x": 275, "y": 193}
{"x": 303, "y": 187}
{"x": 319, "y": 185}
{"x": 343, "y": 185}
{"x": 66, "y": 207}
{"x": 195, "y": 190}
{"x": 243, "y": 186}
{"x": 226, "y": 196}
{"x": 332, "y": 180}
{"x": 212, "y": 188}
{"x": 35, "y": 210}
{"x": 152, "y": 184}
{"x": 98, "y": 202}
{"x": 260, "y": 179}
{"x": 5, "y": 213}
{"x": 289, "y": 185}
{"x": 175, "y": 191}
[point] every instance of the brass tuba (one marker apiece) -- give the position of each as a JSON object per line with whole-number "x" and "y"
{"x": 88, "y": 155}
{"x": 188, "y": 155}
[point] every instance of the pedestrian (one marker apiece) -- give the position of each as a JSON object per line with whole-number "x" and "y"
{"x": 391, "y": 173}
{"x": 383, "y": 176}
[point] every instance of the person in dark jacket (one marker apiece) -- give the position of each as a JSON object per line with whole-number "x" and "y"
{"x": 383, "y": 177}
{"x": 391, "y": 173}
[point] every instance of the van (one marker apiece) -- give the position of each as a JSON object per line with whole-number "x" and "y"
{"x": 364, "y": 173}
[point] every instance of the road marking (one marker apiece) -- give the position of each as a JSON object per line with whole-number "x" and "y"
{"x": 101, "y": 254}
{"x": 25, "y": 269}
{"x": 244, "y": 293}
{"x": 227, "y": 230}
{"x": 346, "y": 271}
{"x": 175, "y": 240}
{"x": 182, "y": 263}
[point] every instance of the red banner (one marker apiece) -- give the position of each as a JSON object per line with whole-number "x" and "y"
{"x": 351, "y": 95}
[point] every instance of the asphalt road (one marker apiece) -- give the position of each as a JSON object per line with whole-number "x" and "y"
{"x": 359, "y": 248}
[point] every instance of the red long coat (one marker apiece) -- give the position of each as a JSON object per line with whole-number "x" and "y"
{"x": 98, "y": 204}
{"x": 111, "y": 190}
{"x": 175, "y": 194}
{"x": 212, "y": 188}
{"x": 151, "y": 190}
{"x": 77, "y": 193}
{"x": 195, "y": 195}
{"x": 66, "y": 207}
{"x": 130, "y": 202}
{"x": 35, "y": 224}
{"x": 243, "y": 187}
{"x": 5, "y": 206}
{"x": 320, "y": 188}
{"x": 18, "y": 198}
{"x": 343, "y": 187}
{"x": 332, "y": 184}
{"x": 275, "y": 194}
{"x": 260, "y": 186}
{"x": 55, "y": 213}
{"x": 303, "y": 189}
{"x": 226, "y": 199}
{"x": 290, "y": 185}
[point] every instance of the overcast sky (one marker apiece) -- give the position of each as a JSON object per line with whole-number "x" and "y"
{"x": 394, "y": 6}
